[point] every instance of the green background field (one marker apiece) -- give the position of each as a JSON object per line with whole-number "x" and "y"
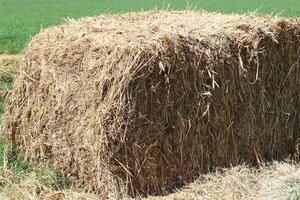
{"x": 21, "y": 19}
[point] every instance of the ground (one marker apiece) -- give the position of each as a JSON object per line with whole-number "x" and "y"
{"x": 20, "y": 180}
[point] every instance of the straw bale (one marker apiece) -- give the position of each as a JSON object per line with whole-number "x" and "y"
{"x": 141, "y": 103}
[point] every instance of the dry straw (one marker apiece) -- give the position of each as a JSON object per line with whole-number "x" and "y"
{"x": 279, "y": 181}
{"x": 144, "y": 102}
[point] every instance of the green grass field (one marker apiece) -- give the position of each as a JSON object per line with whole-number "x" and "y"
{"x": 19, "y": 20}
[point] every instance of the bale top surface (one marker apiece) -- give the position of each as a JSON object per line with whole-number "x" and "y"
{"x": 137, "y": 30}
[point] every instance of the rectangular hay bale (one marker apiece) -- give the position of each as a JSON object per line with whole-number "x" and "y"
{"x": 144, "y": 102}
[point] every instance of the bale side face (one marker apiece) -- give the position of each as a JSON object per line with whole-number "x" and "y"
{"x": 146, "y": 105}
